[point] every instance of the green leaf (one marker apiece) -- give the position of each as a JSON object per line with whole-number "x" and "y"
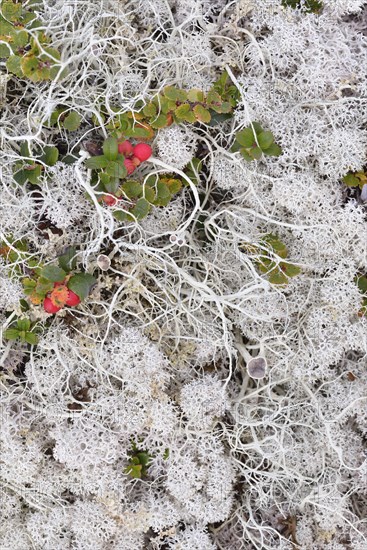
{"x": 362, "y": 283}
{"x": 265, "y": 139}
{"x": 50, "y": 155}
{"x": 202, "y": 114}
{"x": 141, "y": 209}
{"x": 11, "y": 334}
{"x": 175, "y": 94}
{"x": 246, "y": 156}
{"x": 289, "y": 269}
{"x": 276, "y": 245}
{"x": 21, "y": 177}
{"x": 257, "y": 127}
{"x": 34, "y": 174}
{"x": 350, "y": 180}
{"x": 182, "y": 111}
{"x": 159, "y": 122}
{"x": 67, "y": 261}
{"x": 24, "y": 305}
{"x": 110, "y": 148}
{"x": 10, "y": 11}
{"x": 72, "y": 121}
{"x": 31, "y": 338}
{"x": 277, "y": 277}
{"x": 112, "y": 186}
{"x": 174, "y": 185}
{"x": 116, "y": 169}
{"x": 81, "y": 283}
{"x": 195, "y": 95}
{"x": 255, "y": 153}
{"x": 23, "y": 324}
{"x": 95, "y": 163}
{"x": 246, "y": 137}
{"x": 21, "y": 39}
{"x": 30, "y": 67}
{"x": 150, "y": 110}
{"x": 163, "y": 194}
{"x": 273, "y": 151}
{"x": 53, "y": 273}
{"x": 13, "y": 66}
{"x": 132, "y": 189}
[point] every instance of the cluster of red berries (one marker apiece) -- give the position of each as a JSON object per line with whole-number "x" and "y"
{"x": 134, "y": 156}
{"x": 61, "y": 295}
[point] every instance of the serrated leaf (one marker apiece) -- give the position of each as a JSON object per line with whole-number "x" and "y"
{"x": 265, "y": 139}
{"x": 132, "y": 189}
{"x": 50, "y": 155}
{"x": 81, "y": 284}
{"x": 246, "y": 137}
{"x": 202, "y": 114}
{"x": 174, "y": 185}
{"x": 11, "y": 334}
{"x": 163, "y": 195}
{"x": 67, "y": 261}
{"x": 141, "y": 209}
{"x": 31, "y": 338}
{"x": 10, "y": 11}
{"x": 21, "y": 39}
{"x": 96, "y": 163}
{"x": 23, "y": 324}
{"x": 175, "y": 94}
{"x": 150, "y": 110}
{"x": 72, "y": 121}
{"x": 53, "y": 273}
{"x": 195, "y": 95}
{"x": 13, "y": 66}
{"x": 218, "y": 118}
{"x": 289, "y": 269}
{"x": 182, "y": 111}
{"x": 273, "y": 151}
{"x": 213, "y": 98}
{"x": 160, "y": 122}
{"x": 110, "y": 148}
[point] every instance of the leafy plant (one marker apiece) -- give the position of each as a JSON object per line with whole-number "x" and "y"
{"x": 137, "y": 467}
{"x": 355, "y": 179}
{"x": 361, "y": 281}
{"x": 64, "y": 118}
{"x": 252, "y": 142}
{"x": 308, "y": 6}
{"x": 109, "y": 167}
{"x": 267, "y": 260}
{"x": 28, "y": 55}
{"x": 22, "y": 330}
{"x": 30, "y": 169}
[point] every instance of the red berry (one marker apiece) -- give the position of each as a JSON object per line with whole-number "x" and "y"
{"x": 129, "y": 165}
{"x": 49, "y": 306}
{"x": 135, "y": 161}
{"x": 142, "y": 151}
{"x": 125, "y": 148}
{"x": 109, "y": 200}
{"x": 73, "y": 299}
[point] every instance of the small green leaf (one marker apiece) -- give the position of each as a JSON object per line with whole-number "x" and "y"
{"x": 195, "y": 95}
{"x": 110, "y": 148}
{"x": 23, "y": 324}
{"x": 246, "y": 156}
{"x": 21, "y": 177}
{"x": 362, "y": 283}
{"x": 95, "y": 163}
{"x": 265, "y": 139}
{"x": 13, "y": 66}
{"x": 159, "y": 122}
{"x": 255, "y": 153}
{"x": 72, "y": 121}
{"x": 350, "y": 180}
{"x": 141, "y": 209}
{"x": 277, "y": 277}
{"x": 163, "y": 194}
{"x": 132, "y": 189}
{"x": 202, "y": 114}
{"x": 53, "y": 273}
{"x": 273, "y": 151}
{"x": 175, "y": 94}
{"x": 257, "y": 127}
{"x": 81, "y": 283}
{"x": 11, "y": 334}
{"x": 34, "y": 174}
{"x": 31, "y": 338}
{"x": 289, "y": 269}
{"x": 24, "y": 305}
{"x": 182, "y": 111}
{"x": 50, "y": 155}
{"x": 67, "y": 261}
{"x": 246, "y": 138}
{"x": 116, "y": 169}
{"x": 112, "y": 186}
{"x": 10, "y": 11}
{"x": 150, "y": 110}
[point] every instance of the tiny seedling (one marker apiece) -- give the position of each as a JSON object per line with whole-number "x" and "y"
{"x": 22, "y": 330}
{"x": 253, "y": 142}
